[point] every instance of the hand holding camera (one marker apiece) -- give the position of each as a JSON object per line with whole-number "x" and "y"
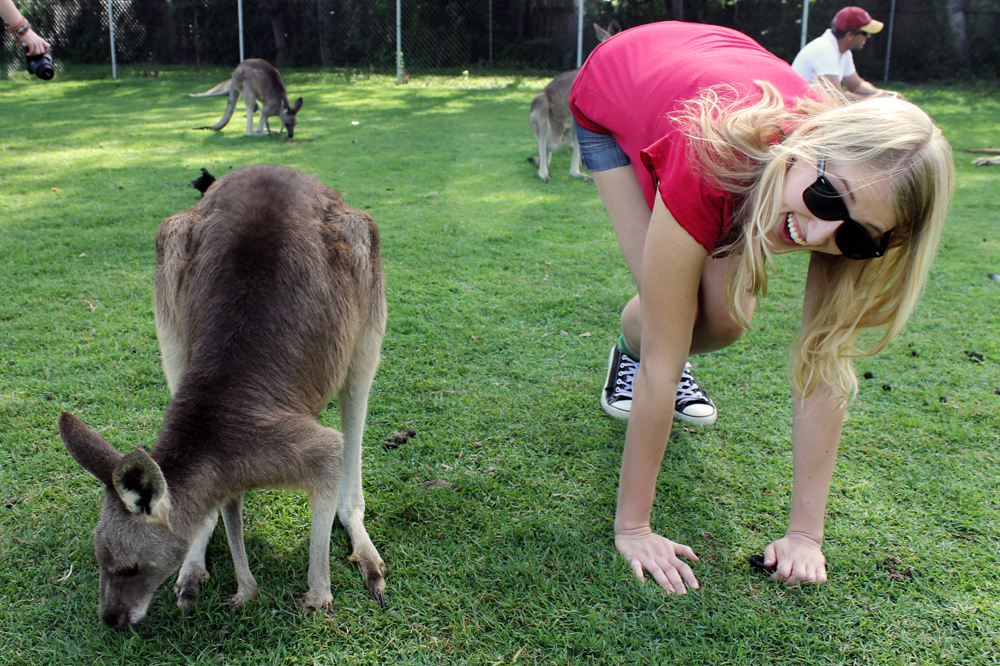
{"x": 40, "y": 65}
{"x": 35, "y": 48}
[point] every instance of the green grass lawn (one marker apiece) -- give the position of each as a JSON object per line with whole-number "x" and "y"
{"x": 504, "y": 297}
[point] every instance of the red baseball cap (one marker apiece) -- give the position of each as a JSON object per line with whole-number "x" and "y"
{"x": 855, "y": 19}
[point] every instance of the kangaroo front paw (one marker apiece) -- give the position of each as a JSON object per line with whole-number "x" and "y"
{"x": 373, "y": 569}
{"x": 188, "y": 587}
{"x": 314, "y": 601}
{"x": 241, "y": 598}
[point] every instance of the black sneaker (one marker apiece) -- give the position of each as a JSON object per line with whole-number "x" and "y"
{"x": 693, "y": 404}
{"x": 616, "y": 398}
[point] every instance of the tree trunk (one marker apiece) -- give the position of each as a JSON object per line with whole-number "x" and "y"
{"x": 956, "y": 20}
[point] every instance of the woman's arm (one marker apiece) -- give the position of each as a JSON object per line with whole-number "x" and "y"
{"x": 816, "y": 425}
{"x": 671, "y": 274}
{"x": 12, "y": 17}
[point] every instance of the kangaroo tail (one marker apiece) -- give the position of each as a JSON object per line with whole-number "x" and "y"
{"x": 234, "y": 95}
{"x": 223, "y": 88}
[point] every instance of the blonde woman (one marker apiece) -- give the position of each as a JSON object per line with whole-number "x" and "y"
{"x": 711, "y": 155}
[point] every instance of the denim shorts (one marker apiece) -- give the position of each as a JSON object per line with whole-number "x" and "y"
{"x": 600, "y": 152}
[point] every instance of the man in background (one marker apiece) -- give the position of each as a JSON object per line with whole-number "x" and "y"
{"x": 829, "y": 55}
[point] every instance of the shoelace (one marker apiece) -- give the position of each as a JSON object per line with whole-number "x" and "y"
{"x": 688, "y": 391}
{"x": 626, "y": 378}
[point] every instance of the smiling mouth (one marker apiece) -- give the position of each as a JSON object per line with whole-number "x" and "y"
{"x": 793, "y": 231}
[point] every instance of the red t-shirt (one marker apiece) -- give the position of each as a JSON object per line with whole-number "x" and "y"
{"x": 632, "y": 82}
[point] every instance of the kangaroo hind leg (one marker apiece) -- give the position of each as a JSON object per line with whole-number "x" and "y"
{"x": 234, "y": 94}
{"x": 353, "y": 401}
{"x": 251, "y": 101}
{"x": 322, "y": 450}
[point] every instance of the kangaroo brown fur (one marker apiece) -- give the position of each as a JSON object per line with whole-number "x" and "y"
{"x": 269, "y": 299}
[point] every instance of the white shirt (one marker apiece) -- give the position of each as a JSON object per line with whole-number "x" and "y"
{"x": 822, "y": 57}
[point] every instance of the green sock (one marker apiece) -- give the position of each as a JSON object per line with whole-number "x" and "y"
{"x": 624, "y": 347}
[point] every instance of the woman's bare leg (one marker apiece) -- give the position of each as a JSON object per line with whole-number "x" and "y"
{"x": 625, "y": 204}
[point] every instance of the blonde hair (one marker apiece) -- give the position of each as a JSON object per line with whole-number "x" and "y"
{"x": 747, "y": 150}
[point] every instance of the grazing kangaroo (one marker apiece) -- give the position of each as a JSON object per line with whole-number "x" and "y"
{"x": 256, "y": 80}
{"x": 552, "y": 121}
{"x": 269, "y": 298}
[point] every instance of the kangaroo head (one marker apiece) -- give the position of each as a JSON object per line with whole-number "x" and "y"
{"x": 135, "y": 547}
{"x": 289, "y": 117}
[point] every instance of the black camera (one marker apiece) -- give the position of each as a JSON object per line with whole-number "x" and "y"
{"x": 40, "y": 65}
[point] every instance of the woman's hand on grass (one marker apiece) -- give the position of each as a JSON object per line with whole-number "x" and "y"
{"x": 799, "y": 559}
{"x": 645, "y": 550}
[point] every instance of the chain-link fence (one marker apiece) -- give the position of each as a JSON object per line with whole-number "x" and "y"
{"x": 928, "y": 40}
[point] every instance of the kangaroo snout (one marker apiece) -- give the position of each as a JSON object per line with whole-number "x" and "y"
{"x": 119, "y": 619}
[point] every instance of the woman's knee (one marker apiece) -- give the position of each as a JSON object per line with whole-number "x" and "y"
{"x": 716, "y": 334}
{"x": 716, "y": 327}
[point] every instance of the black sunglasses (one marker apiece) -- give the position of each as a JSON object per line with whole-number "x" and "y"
{"x": 824, "y": 201}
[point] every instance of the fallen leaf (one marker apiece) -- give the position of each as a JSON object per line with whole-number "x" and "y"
{"x": 437, "y": 483}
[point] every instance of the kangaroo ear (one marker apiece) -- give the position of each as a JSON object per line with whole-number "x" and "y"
{"x": 297, "y": 105}
{"x": 88, "y": 448}
{"x": 142, "y": 488}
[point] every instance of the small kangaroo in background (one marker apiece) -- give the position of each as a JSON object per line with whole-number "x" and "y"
{"x": 256, "y": 80}
{"x": 269, "y": 298}
{"x": 552, "y": 121}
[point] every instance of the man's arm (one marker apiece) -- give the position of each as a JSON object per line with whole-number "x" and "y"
{"x": 834, "y": 80}
{"x": 859, "y": 86}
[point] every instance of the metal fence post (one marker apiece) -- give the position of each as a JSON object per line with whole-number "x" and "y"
{"x": 579, "y": 37}
{"x": 111, "y": 28}
{"x": 805, "y": 23}
{"x": 320, "y": 24}
{"x": 399, "y": 43}
{"x": 239, "y": 16}
{"x": 888, "y": 43}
